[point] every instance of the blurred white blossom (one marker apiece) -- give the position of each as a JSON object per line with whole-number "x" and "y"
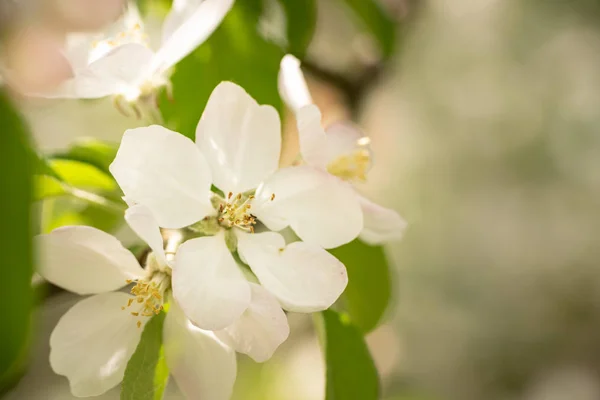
{"x": 121, "y": 62}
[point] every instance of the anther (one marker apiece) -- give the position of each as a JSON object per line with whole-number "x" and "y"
{"x": 272, "y": 196}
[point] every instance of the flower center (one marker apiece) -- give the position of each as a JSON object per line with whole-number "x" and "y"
{"x": 133, "y": 34}
{"x": 235, "y": 212}
{"x": 355, "y": 165}
{"x": 149, "y": 292}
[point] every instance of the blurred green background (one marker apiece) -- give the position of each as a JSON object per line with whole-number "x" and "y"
{"x": 484, "y": 118}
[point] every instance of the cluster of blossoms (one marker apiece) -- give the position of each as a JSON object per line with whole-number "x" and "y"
{"x": 213, "y": 213}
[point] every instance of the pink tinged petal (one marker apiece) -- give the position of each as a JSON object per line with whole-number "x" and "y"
{"x": 85, "y": 260}
{"x": 303, "y": 277}
{"x": 380, "y": 224}
{"x": 292, "y": 85}
{"x": 343, "y": 138}
{"x": 165, "y": 172}
{"x": 261, "y": 328}
{"x": 320, "y": 208}
{"x": 143, "y": 223}
{"x": 185, "y": 30}
{"x": 33, "y": 60}
{"x": 240, "y": 138}
{"x": 318, "y": 146}
{"x": 208, "y": 284}
{"x": 203, "y": 367}
{"x": 92, "y": 343}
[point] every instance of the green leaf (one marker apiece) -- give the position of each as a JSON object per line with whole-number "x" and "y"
{"x": 149, "y": 6}
{"x": 351, "y": 373}
{"x": 301, "y": 19}
{"x": 80, "y": 195}
{"x": 47, "y": 187}
{"x": 91, "y": 151}
{"x": 377, "y": 21}
{"x": 16, "y": 268}
{"x": 40, "y": 166}
{"x": 234, "y": 52}
{"x": 369, "y": 288}
{"x": 146, "y": 374}
{"x": 82, "y": 175}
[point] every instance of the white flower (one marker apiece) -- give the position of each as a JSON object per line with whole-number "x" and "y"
{"x": 237, "y": 148}
{"x": 341, "y": 149}
{"x": 93, "y": 341}
{"x": 260, "y": 325}
{"x": 122, "y": 62}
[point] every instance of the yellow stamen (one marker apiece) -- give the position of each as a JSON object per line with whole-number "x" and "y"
{"x": 353, "y": 166}
{"x": 148, "y": 294}
{"x": 235, "y": 212}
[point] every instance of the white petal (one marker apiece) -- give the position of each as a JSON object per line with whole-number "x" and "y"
{"x": 313, "y": 143}
{"x": 166, "y": 172}
{"x": 292, "y": 85}
{"x": 241, "y": 139}
{"x": 185, "y": 30}
{"x": 93, "y": 342}
{"x": 85, "y": 260}
{"x": 111, "y": 74}
{"x": 380, "y": 224}
{"x": 143, "y": 223}
{"x": 303, "y": 277}
{"x": 203, "y": 367}
{"x": 180, "y": 11}
{"x": 261, "y": 328}
{"x": 320, "y": 208}
{"x": 124, "y": 63}
{"x": 208, "y": 284}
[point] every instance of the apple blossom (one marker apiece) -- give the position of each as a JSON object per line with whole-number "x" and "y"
{"x": 121, "y": 61}
{"x": 237, "y": 149}
{"x": 94, "y": 340}
{"x": 341, "y": 149}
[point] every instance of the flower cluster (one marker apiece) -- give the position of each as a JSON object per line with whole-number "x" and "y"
{"x": 250, "y": 237}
